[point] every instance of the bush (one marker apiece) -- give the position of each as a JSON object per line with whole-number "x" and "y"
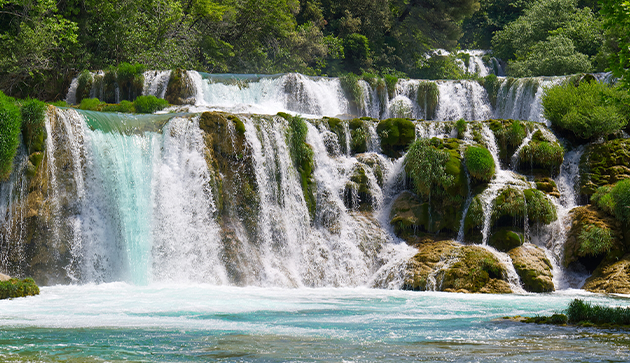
{"x": 542, "y": 154}
{"x": 130, "y": 79}
{"x": 91, "y": 104}
{"x": 10, "y": 125}
{"x": 390, "y": 82}
{"x": 595, "y": 241}
{"x": 554, "y": 57}
{"x": 33, "y": 124}
{"x": 492, "y": 85}
{"x": 614, "y": 200}
{"x": 590, "y": 110}
{"x": 124, "y": 106}
{"x": 18, "y": 288}
{"x": 580, "y": 311}
{"x": 479, "y": 162}
{"x": 539, "y": 208}
{"x": 149, "y": 104}
{"x": 396, "y": 134}
{"x": 461, "y": 126}
{"x": 425, "y": 165}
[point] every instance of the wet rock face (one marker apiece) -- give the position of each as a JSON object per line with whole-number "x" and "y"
{"x": 613, "y": 278}
{"x": 604, "y": 164}
{"x": 533, "y": 267}
{"x": 396, "y": 135}
{"x": 452, "y": 267}
{"x": 541, "y": 156}
{"x": 180, "y": 89}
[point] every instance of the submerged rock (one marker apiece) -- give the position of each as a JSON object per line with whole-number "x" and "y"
{"x": 533, "y": 267}
{"x": 452, "y": 267}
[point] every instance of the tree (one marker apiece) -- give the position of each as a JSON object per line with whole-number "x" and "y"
{"x": 616, "y": 16}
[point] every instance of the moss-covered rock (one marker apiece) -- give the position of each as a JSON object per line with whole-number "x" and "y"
{"x": 604, "y": 164}
{"x": 84, "y": 85}
{"x": 18, "y": 288}
{"x": 533, "y": 267}
{"x": 479, "y": 163}
{"x": 541, "y": 156}
{"x": 473, "y": 223}
{"x": 108, "y": 87}
{"x": 359, "y": 136}
{"x": 409, "y": 215}
{"x": 548, "y": 186}
{"x": 396, "y": 135}
{"x": 337, "y": 127}
{"x": 449, "y": 266}
{"x": 180, "y": 89}
{"x": 594, "y": 238}
{"x": 539, "y": 208}
{"x": 509, "y": 208}
{"x": 375, "y": 163}
{"x": 509, "y": 135}
{"x": 428, "y": 97}
{"x": 358, "y": 195}
{"x": 611, "y": 278}
{"x": 504, "y": 239}
{"x": 231, "y": 164}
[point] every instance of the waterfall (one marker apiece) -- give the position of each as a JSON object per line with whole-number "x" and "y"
{"x": 463, "y": 99}
{"x": 155, "y": 83}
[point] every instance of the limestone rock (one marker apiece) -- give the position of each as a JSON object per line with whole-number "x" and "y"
{"x": 604, "y": 164}
{"x": 533, "y": 267}
{"x": 611, "y": 278}
{"x": 452, "y": 267}
{"x": 4, "y": 277}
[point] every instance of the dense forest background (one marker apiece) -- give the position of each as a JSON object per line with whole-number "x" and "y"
{"x": 47, "y": 42}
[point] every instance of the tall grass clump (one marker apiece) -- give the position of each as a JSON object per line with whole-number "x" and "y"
{"x": 580, "y": 311}
{"x": 595, "y": 241}
{"x": 614, "y": 200}
{"x": 425, "y": 165}
{"x": 10, "y": 126}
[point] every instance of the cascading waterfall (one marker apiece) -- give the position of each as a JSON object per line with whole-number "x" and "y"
{"x": 462, "y": 99}
{"x": 156, "y": 82}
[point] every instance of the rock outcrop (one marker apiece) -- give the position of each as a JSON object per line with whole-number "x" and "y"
{"x": 533, "y": 267}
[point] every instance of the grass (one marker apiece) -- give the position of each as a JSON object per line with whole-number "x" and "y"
{"x": 582, "y": 312}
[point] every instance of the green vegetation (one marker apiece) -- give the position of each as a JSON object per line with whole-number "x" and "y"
{"x": 302, "y": 156}
{"x": 539, "y": 208}
{"x": 595, "y": 241}
{"x": 33, "y": 124}
{"x": 590, "y": 110}
{"x": 541, "y": 155}
{"x": 130, "y": 79}
{"x": 350, "y": 84}
{"x": 91, "y": 104}
{"x": 615, "y": 200}
{"x": 428, "y": 98}
{"x": 551, "y": 37}
{"x": 84, "y": 85}
{"x": 149, "y": 104}
{"x": 492, "y": 85}
{"x": 461, "y": 126}
{"x": 616, "y": 16}
{"x": 10, "y": 124}
{"x": 425, "y": 164}
{"x": 583, "y": 313}
{"x": 396, "y": 135}
{"x": 18, "y": 288}
{"x": 479, "y": 163}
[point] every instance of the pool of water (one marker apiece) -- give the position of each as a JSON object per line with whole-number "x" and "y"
{"x": 197, "y": 323}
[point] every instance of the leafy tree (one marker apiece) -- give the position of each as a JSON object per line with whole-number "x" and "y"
{"x": 554, "y": 56}
{"x": 616, "y": 15}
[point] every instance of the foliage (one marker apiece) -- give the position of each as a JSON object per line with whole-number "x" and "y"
{"x": 492, "y": 84}
{"x": 551, "y": 36}
{"x": 479, "y": 163}
{"x": 350, "y": 84}
{"x": 124, "y": 106}
{"x": 542, "y": 154}
{"x": 580, "y": 311}
{"x": 10, "y": 123}
{"x": 18, "y": 288}
{"x": 33, "y": 124}
{"x": 425, "y": 165}
{"x": 302, "y": 156}
{"x": 492, "y": 16}
{"x": 91, "y": 104}
{"x": 539, "y": 208}
{"x": 84, "y": 85}
{"x": 396, "y": 134}
{"x": 461, "y": 126}
{"x": 614, "y": 200}
{"x": 590, "y": 110}
{"x": 357, "y": 52}
{"x": 594, "y": 240}
{"x": 428, "y": 98}
{"x": 438, "y": 66}
{"x": 616, "y": 17}
{"x": 149, "y": 104}
{"x": 130, "y": 79}
{"x": 390, "y": 82}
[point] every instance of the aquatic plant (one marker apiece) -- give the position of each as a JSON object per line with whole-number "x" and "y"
{"x": 582, "y": 312}
{"x": 18, "y": 288}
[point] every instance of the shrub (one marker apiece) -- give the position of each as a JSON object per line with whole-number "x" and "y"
{"x": 390, "y": 82}
{"x": 479, "y": 162}
{"x": 33, "y": 124}
{"x": 130, "y": 78}
{"x": 91, "y": 104}
{"x": 541, "y": 153}
{"x": 396, "y": 134}
{"x": 614, "y": 200}
{"x": 595, "y": 241}
{"x": 18, "y": 288}
{"x": 591, "y": 109}
{"x": 461, "y": 125}
{"x": 539, "y": 208}
{"x": 10, "y": 124}
{"x": 603, "y": 200}
{"x": 425, "y": 165}
{"x": 124, "y": 106}
{"x": 149, "y": 104}
{"x": 357, "y": 51}
{"x": 84, "y": 85}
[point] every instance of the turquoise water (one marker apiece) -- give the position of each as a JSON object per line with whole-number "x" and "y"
{"x": 197, "y": 323}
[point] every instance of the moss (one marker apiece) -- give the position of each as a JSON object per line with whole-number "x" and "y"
{"x": 604, "y": 164}
{"x": 461, "y": 126}
{"x": 541, "y": 154}
{"x": 474, "y": 219}
{"x": 180, "y": 89}
{"x": 302, "y": 156}
{"x": 505, "y": 239}
{"x": 109, "y": 86}
{"x": 611, "y": 277}
{"x": 84, "y": 85}
{"x": 509, "y": 135}
{"x": 476, "y": 267}
{"x": 509, "y": 208}
{"x": 428, "y": 97}
{"x": 238, "y": 124}
{"x": 492, "y": 85}
{"x": 479, "y": 163}
{"x": 350, "y": 85}
{"x": 548, "y": 186}
{"x": 396, "y": 135}
{"x": 18, "y": 288}
{"x": 359, "y": 186}
{"x": 359, "y": 134}
{"x": 409, "y": 215}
